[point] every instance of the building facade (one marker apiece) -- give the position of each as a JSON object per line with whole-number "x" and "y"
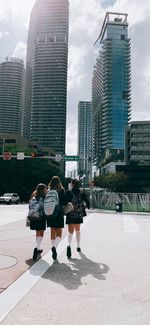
{"x": 137, "y": 144}
{"x": 46, "y": 74}
{"x": 111, "y": 86}
{"x": 84, "y": 139}
{"x": 12, "y": 74}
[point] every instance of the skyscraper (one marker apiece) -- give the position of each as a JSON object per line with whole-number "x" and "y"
{"x": 11, "y": 95}
{"x": 84, "y": 138}
{"x": 111, "y": 86}
{"x": 46, "y": 74}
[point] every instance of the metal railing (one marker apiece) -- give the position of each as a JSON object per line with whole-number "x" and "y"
{"x": 131, "y": 201}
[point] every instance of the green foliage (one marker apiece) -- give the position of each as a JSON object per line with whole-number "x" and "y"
{"x": 16, "y": 148}
{"x": 114, "y": 155}
{"x": 146, "y": 189}
{"x": 22, "y": 176}
{"x": 113, "y": 182}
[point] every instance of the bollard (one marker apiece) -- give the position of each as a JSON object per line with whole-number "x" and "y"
{"x": 118, "y": 207}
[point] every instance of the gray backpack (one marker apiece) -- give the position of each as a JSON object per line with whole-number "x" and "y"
{"x": 50, "y": 202}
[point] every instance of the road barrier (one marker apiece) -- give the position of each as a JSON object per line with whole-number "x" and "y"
{"x": 139, "y": 202}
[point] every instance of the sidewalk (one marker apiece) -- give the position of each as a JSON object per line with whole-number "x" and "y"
{"x": 106, "y": 284}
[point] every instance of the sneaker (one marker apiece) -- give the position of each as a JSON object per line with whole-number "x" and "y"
{"x": 68, "y": 251}
{"x": 54, "y": 253}
{"x": 78, "y": 249}
{"x": 35, "y": 253}
{"x": 40, "y": 251}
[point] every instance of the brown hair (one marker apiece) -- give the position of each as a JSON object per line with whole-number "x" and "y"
{"x": 75, "y": 183}
{"x": 39, "y": 191}
{"x": 55, "y": 184}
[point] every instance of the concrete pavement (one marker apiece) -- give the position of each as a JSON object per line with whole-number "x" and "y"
{"x": 107, "y": 283}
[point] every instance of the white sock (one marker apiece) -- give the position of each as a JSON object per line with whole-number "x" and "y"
{"x": 57, "y": 240}
{"x": 70, "y": 235}
{"x": 78, "y": 237}
{"x": 38, "y": 241}
{"x": 53, "y": 242}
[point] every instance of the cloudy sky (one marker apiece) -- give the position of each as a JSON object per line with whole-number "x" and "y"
{"x": 86, "y": 18}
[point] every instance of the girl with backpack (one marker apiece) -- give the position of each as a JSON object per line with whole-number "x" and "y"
{"x": 38, "y": 224}
{"x": 56, "y": 220}
{"x": 75, "y": 218}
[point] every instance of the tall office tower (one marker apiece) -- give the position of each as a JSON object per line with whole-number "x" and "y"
{"x": 84, "y": 138}
{"x": 11, "y": 95}
{"x": 137, "y": 144}
{"x": 111, "y": 86}
{"x": 46, "y": 74}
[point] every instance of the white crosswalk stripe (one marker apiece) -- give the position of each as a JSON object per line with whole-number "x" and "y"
{"x": 130, "y": 225}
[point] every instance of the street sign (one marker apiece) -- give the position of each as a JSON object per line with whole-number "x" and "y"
{"x": 58, "y": 157}
{"x": 7, "y": 155}
{"x": 20, "y": 155}
{"x": 71, "y": 158}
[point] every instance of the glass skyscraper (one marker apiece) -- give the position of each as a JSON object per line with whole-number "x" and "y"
{"x": 46, "y": 74}
{"x": 111, "y": 86}
{"x": 12, "y": 74}
{"x": 84, "y": 138}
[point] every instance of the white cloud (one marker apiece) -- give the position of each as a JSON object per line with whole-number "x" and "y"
{"x": 20, "y": 50}
{"x": 3, "y": 34}
{"x": 71, "y": 145}
{"x": 77, "y": 55}
{"x": 86, "y": 18}
{"x": 138, "y": 10}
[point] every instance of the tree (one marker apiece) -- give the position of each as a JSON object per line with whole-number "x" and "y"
{"x": 113, "y": 182}
{"x": 22, "y": 176}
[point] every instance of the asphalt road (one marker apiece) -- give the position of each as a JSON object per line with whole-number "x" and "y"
{"x": 107, "y": 283}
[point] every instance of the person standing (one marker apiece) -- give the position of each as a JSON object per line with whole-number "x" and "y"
{"x": 56, "y": 222}
{"x": 75, "y": 218}
{"x": 38, "y": 225}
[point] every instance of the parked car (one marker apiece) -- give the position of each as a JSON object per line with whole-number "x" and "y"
{"x": 9, "y": 198}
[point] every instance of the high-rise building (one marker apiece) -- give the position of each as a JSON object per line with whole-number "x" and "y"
{"x": 111, "y": 86}
{"x": 84, "y": 139}
{"x": 46, "y": 74}
{"x": 137, "y": 144}
{"x": 11, "y": 95}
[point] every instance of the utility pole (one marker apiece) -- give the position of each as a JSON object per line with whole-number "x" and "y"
{"x": 90, "y": 182}
{"x": 3, "y": 148}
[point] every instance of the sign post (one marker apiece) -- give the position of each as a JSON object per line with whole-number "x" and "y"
{"x": 58, "y": 157}
{"x": 20, "y": 155}
{"x": 71, "y": 158}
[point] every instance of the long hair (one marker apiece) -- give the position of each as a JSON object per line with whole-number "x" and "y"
{"x": 75, "y": 185}
{"x": 55, "y": 184}
{"x": 39, "y": 191}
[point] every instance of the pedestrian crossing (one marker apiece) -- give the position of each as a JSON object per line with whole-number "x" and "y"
{"x": 130, "y": 225}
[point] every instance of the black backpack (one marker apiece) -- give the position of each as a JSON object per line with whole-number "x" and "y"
{"x": 78, "y": 205}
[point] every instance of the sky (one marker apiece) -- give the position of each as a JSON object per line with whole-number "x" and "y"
{"x": 86, "y": 18}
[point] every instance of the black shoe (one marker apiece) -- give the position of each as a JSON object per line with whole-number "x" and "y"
{"x": 78, "y": 249}
{"x": 35, "y": 253}
{"x": 54, "y": 253}
{"x": 40, "y": 251}
{"x": 68, "y": 251}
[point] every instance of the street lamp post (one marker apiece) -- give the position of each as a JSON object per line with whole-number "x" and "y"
{"x": 3, "y": 148}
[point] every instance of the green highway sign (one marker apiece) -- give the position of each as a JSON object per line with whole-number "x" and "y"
{"x": 71, "y": 158}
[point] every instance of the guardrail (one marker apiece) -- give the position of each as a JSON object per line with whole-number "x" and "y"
{"x": 139, "y": 202}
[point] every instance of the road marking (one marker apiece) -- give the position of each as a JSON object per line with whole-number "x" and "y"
{"x": 17, "y": 290}
{"x": 130, "y": 225}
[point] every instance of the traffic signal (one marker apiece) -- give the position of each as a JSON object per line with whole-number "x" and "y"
{"x": 34, "y": 154}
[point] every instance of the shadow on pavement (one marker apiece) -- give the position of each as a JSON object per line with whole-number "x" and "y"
{"x": 70, "y": 275}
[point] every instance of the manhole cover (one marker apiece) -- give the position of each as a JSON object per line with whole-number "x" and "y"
{"x": 7, "y": 261}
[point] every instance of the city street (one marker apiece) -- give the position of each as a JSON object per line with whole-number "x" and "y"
{"x": 107, "y": 283}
